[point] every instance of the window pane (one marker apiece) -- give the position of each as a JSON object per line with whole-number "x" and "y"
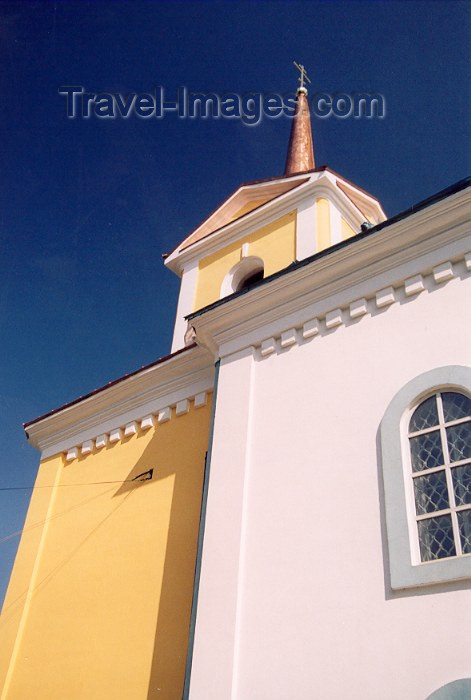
{"x": 462, "y": 484}
{"x": 436, "y": 538}
{"x": 431, "y": 493}
{"x": 459, "y": 441}
{"x": 426, "y": 451}
{"x": 464, "y": 523}
{"x": 425, "y": 416}
{"x": 455, "y": 406}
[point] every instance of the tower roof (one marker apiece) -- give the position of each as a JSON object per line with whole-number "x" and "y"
{"x": 252, "y": 204}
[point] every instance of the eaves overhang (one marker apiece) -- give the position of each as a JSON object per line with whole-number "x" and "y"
{"x": 164, "y": 381}
{"x": 244, "y": 186}
{"x": 370, "y": 233}
{"x": 322, "y": 181}
{"x": 318, "y": 169}
{"x": 231, "y": 231}
{"x": 425, "y": 227}
{"x": 298, "y": 177}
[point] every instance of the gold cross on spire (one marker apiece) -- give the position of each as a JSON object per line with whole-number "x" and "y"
{"x": 303, "y": 75}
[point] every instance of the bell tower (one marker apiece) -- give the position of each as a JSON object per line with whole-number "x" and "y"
{"x": 265, "y": 226}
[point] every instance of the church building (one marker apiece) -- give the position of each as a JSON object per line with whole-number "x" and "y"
{"x": 280, "y": 509}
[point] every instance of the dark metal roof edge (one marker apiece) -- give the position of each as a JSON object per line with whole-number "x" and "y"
{"x": 160, "y": 361}
{"x": 423, "y": 204}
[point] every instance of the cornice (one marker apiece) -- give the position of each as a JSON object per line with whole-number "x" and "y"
{"x": 320, "y": 183}
{"x": 181, "y": 377}
{"x": 250, "y": 222}
{"x": 347, "y": 208}
{"x": 413, "y": 245}
{"x": 366, "y": 200}
{"x": 246, "y": 187}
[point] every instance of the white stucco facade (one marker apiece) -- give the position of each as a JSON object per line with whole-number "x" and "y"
{"x": 295, "y": 598}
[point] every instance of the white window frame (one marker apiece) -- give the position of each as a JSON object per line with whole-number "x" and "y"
{"x": 406, "y": 569}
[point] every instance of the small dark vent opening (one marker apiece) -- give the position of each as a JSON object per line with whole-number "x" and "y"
{"x": 251, "y": 279}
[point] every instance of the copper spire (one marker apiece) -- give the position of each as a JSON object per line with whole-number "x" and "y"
{"x": 300, "y": 150}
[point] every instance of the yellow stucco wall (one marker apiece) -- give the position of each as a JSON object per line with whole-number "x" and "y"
{"x": 274, "y": 243}
{"x": 99, "y": 602}
{"x": 323, "y": 223}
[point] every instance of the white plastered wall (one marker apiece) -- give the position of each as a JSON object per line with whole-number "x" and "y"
{"x": 219, "y": 596}
{"x": 295, "y": 520}
{"x": 306, "y": 228}
{"x": 186, "y": 299}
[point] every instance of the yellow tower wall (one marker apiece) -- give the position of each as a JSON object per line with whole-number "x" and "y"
{"x": 100, "y": 597}
{"x": 323, "y": 223}
{"x": 274, "y": 243}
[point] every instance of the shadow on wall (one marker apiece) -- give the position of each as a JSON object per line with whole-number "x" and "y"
{"x": 177, "y": 452}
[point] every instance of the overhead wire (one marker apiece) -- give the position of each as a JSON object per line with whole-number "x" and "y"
{"x": 148, "y": 476}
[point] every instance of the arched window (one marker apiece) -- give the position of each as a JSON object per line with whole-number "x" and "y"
{"x": 242, "y": 275}
{"x": 426, "y": 469}
{"x": 440, "y": 450}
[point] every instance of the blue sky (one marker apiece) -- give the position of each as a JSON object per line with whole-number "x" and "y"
{"x": 87, "y": 207}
